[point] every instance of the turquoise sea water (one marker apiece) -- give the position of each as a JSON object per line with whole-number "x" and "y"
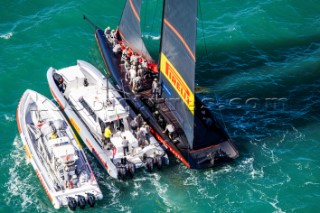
{"x": 259, "y": 66}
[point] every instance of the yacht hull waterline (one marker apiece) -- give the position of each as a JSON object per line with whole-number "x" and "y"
{"x": 79, "y": 104}
{"x": 55, "y": 153}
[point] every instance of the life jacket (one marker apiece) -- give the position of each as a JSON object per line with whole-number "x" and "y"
{"x": 107, "y": 133}
{"x": 153, "y": 67}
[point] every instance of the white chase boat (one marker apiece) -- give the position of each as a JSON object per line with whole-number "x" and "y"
{"x": 55, "y": 153}
{"x": 91, "y": 104}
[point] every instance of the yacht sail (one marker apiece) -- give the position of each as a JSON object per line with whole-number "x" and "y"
{"x": 177, "y": 116}
{"x": 129, "y": 28}
{"x": 177, "y": 61}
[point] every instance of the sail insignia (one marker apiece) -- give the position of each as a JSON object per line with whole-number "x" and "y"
{"x": 176, "y": 80}
{"x": 177, "y": 61}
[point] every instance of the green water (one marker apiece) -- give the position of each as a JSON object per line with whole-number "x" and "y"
{"x": 259, "y": 62}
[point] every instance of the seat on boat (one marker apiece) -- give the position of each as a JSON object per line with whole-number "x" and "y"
{"x": 47, "y": 130}
{"x": 58, "y": 124}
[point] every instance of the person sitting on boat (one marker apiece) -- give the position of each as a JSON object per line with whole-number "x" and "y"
{"x": 159, "y": 119}
{"x": 107, "y": 135}
{"x": 170, "y": 129}
{"x": 58, "y": 79}
{"x": 54, "y": 134}
{"x": 136, "y": 84}
{"x": 125, "y": 144}
{"x": 155, "y": 88}
{"x": 156, "y": 114}
{"x": 117, "y": 48}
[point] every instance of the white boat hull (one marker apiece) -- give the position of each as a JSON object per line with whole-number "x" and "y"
{"x": 58, "y": 198}
{"x": 80, "y": 124}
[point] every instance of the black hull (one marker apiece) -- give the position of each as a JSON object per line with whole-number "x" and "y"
{"x": 206, "y": 155}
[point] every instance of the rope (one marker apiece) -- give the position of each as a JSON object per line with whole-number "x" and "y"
{"x": 207, "y": 58}
{"x": 152, "y": 25}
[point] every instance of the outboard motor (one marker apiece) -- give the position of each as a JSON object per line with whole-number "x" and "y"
{"x": 130, "y": 167}
{"x": 149, "y": 164}
{"x": 72, "y": 203}
{"x": 158, "y": 160}
{"x": 91, "y": 199}
{"x": 81, "y": 201}
{"x": 121, "y": 172}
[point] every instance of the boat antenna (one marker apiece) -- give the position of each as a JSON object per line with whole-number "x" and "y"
{"x": 107, "y": 90}
{"x": 107, "y": 79}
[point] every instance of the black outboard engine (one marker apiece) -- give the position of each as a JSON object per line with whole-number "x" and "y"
{"x": 130, "y": 167}
{"x": 81, "y": 201}
{"x": 72, "y": 203}
{"x": 149, "y": 164}
{"x": 159, "y": 161}
{"x": 91, "y": 199}
{"x": 122, "y": 172}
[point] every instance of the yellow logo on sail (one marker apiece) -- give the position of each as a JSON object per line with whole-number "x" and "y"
{"x": 177, "y": 82}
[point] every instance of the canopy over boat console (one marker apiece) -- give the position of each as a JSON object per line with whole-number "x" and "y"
{"x": 107, "y": 109}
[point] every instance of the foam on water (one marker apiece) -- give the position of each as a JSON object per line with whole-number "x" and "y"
{"x": 151, "y": 37}
{"x": 9, "y": 117}
{"x": 6, "y": 36}
{"x": 23, "y": 187}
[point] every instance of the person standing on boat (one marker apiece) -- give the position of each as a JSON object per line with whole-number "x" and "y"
{"x": 133, "y": 74}
{"x": 107, "y": 135}
{"x": 136, "y": 84}
{"x": 139, "y": 120}
{"x": 155, "y": 88}
{"x": 140, "y": 71}
{"x": 141, "y": 137}
{"x": 125, "y": 144}
{"x": 145, "y": 127}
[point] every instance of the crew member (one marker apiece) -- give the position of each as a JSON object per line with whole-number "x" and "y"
{"x": 155, "y": 88}
{"x": 59, "y": 81}
{"x": 170, "y": 129}
{"x": 139, "y": 120}
{"x": 136, "y": 83}
{"x": 107, "y": 135}
{"x": 125, "y": 144}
